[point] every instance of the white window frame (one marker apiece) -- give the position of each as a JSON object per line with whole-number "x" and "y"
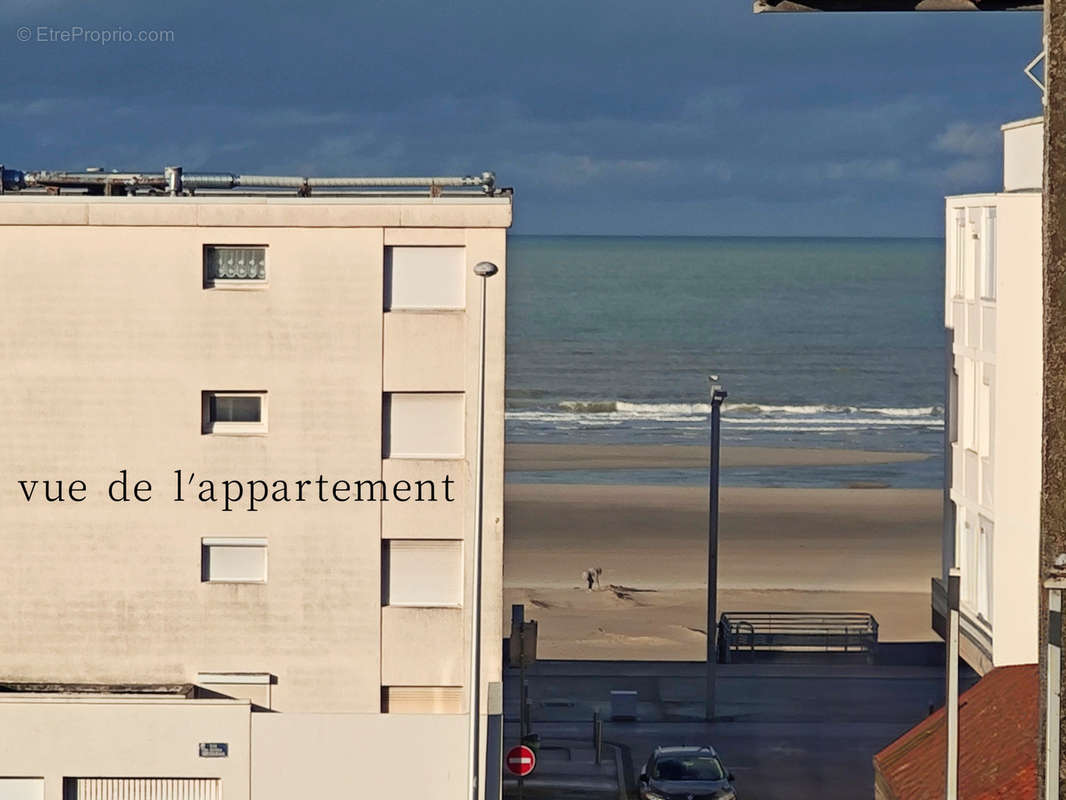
{"x": 968, "y": 404}
{"x": 239, "y": 284}
{"x": 207, "y": 542}
{"x": 984, "y": 566}
{"x": 954, "y": 406}
{"x": 988, "y": 261}
{"x": 968, "y": 563}
{"x": 960, "y": 254}
{"x": 213, "y": 428}
{"x": 984, "y": 414}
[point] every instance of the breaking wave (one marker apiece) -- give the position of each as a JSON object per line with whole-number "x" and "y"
{"x": 748, "y": 416}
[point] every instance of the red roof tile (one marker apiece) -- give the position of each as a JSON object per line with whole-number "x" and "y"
{"x": 998, "y": 741}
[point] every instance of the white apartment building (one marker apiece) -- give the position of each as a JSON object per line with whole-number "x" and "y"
{"x": 276, "y": 600}
{"x": 992, "y": 309}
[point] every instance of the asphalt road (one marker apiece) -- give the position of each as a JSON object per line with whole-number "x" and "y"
{"x": 788, "y": 732}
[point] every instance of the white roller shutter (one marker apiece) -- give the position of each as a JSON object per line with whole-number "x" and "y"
{"x": 424, "y": 425}
{"x": 423, "y": 572}
{"x": 143, "y": 789}
{"x": 425, "y": 278}
{"x": 421, "y": 699}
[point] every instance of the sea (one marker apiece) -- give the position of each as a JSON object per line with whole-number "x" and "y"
{"x": 820, "y": 343}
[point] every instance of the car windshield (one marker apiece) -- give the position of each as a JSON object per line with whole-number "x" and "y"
{"x": 689, "y": 768}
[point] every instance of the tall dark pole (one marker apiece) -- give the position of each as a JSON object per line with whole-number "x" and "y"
{"x": 951, "y": 703}
{"x": 484, "y": 270}
{"x": 718, "y": 395}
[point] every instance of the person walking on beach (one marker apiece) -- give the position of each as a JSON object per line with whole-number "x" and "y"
{"x": 591, "y": 576}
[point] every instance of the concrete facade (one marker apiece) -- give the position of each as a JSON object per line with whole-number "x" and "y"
{"x": 111, "y": 336}
{"x": 55, "y": 741}
{"x": 993, "y": 323}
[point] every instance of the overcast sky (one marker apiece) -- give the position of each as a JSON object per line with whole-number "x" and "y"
{"x": 631, "y": 117}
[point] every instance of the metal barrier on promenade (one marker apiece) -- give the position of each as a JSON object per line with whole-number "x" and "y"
{"x": 796, "y": 631}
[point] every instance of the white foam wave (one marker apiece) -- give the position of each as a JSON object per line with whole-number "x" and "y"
{"x": 733, "y": 414}
{"x": 874, "y": 422}
{"x": 925, "y": 411}
{"x": 759, "y": 408}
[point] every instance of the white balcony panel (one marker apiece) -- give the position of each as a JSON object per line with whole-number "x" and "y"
{"x": 987, "y": 495}
{"x": 973, "y": 325}
{"x": 988, "y": 331}
{"x": 958, "y": 321}
{"x": 958, "y": 468}
{"x": 972, "y": 475}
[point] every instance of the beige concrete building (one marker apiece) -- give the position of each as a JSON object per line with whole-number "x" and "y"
{"x": 276, "y": 602}
{"x": 993, "y": 321}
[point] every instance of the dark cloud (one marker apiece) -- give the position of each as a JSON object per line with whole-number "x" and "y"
{"x": 689, "y": 117}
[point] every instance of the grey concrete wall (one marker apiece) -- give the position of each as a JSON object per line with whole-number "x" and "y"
{"x": 356, "y": 755}
{"x": 106, "y": 737}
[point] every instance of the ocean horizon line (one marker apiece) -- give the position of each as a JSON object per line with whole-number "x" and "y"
{"x": 703, "y": 236}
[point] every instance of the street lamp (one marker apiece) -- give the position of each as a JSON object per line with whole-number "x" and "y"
{"x": 718, "y": 396}
{"x": 484, "y": 270}
{"x": 951, "y": 701}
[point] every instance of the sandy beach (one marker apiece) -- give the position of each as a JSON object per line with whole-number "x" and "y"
{"x": 781, "y": 549}
{"x": 536, "y": 457}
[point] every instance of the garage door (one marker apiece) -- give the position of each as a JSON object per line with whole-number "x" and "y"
{"x": 142, "y": 789}
{"x": 21, "y": 788}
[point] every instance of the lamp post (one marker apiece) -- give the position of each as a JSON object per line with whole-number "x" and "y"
{"x": 484, "y": 270}
{"x": 951, "y": 786}
{"x": 718, "y": 396}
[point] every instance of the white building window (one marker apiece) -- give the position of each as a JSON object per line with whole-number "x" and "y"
{"x": 968, "y": 564}
{"x": 225, "y": 412}
{"x": 423, "y": 425}
{"x": 425, "y": 278}
{"x": 235, "y": 266}
{"x": 233, "y": 560}
{"x": 959, "y": 254}
{"x": 953, "y": 406}
{"x": 422, "y": 572}
{"x": 988, "y": 260}
{"x": 984, "y": 569}
{"x": 968, "y": 404}
{"x": 984, "y": 417}
{"x": 421, "y": 699}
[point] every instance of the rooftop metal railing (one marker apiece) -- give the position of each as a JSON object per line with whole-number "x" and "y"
{"x": 174, "y": 181}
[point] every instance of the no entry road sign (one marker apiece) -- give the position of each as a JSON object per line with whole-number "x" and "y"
{"x": 520, "y": 760}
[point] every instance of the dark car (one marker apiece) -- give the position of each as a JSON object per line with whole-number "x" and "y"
{"x": 686, "y": 773}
